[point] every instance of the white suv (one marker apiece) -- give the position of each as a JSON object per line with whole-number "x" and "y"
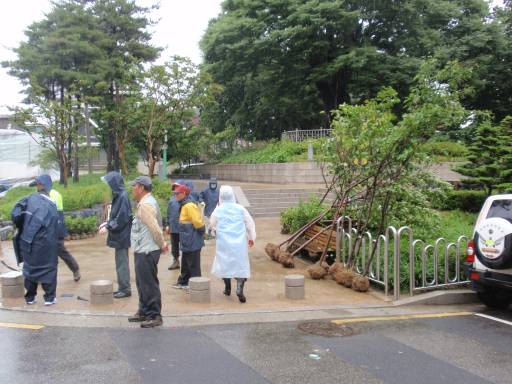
{"x": 489, "y": 255}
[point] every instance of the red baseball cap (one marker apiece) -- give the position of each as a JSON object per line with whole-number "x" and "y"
{"x": 181, "y": 189}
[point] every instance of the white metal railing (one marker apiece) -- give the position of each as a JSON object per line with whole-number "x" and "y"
{"x": 349, "y": 241}
{"x": 304, "y": 134}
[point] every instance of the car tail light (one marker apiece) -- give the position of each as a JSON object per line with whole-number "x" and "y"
{"x": 470, "y": 252}
{"x": 474, "y": 276}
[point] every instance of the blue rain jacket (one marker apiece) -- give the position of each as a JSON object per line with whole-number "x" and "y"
{"x": 210, "y": 196}
{"x": 35, "y": 243}
{"x": 119, "y": 223}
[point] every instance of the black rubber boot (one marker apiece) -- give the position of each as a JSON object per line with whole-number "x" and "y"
{"x": 240, "y": 289}
{"x": 227, "y": 287}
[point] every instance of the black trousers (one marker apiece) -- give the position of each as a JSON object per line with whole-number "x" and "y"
{"x": 190, "y": 266}
{"x": 66, "y": 256}
{"x": 148, "y": 286}
{"x": 48, "y": 288}
{"x": 175, "y": 245}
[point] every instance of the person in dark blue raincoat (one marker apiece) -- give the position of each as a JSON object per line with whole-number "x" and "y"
{"x": 193, "y": 195}
{"x": 173, "y": 217}
{"x": 36, "y": 241}
{"x": 210, "y": 197}
{"x": 119, "y": 225}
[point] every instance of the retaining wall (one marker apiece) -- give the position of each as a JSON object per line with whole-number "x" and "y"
{"x": 279, "y": 173}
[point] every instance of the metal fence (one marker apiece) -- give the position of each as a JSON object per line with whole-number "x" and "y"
{"x": 304, "y": 134}
{"x": 436, "y": 270}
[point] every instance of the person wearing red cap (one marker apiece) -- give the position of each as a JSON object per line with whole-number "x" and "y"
{"x": 191, "y": 229}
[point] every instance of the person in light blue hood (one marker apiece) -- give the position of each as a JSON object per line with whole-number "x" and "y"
{"x": 235, "y": 233}
{"x": 35, "y": 243}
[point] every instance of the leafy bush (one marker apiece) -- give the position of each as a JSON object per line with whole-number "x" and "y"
{"x": 465, "y": 200}
{"x": 294, "y": 218}
{"x": 80, "y": 225}
{"x": 446, "y": 150}
{"x": 274, "y": 152}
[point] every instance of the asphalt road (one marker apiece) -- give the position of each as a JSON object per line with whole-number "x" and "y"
{"x": 452, "y": 349}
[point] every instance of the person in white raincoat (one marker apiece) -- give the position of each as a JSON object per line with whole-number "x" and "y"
{"x": 235, "y": 232}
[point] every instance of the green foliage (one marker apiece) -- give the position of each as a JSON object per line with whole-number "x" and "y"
{"x": 11, "y": 197}
{"x": 81, "y": 225}
{"x": 441, "y": 151}
{"x": 85, "y": 194}
{"x": 489, "y": 163}
{"x": 282, "y": 63}
{"x": 275, "y": 152}
{"x": 294, "y": 218}
{"x": 463, "y": 200}
{"x": 162, "y": 193}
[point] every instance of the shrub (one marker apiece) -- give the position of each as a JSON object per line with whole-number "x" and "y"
{"x": 80, "y": 225}
{"x": 446, "y": 150}
{"x": 294, "y": 218}
{"x": 274, "y": 152}
{"x": 465, "y": 200}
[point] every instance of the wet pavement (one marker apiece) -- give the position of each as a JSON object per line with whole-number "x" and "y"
{"x": 264, "y": 291}
{"x": 456, "y": 348}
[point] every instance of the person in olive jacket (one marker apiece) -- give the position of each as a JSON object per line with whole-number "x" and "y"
{"x": 119, "y": 226}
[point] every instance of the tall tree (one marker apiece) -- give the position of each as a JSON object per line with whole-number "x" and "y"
{"x": 286, "y": 64}
{"x": 126, "y": 42}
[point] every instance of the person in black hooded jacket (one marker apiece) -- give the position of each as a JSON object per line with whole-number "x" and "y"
{"x": 119, "y": 226}
{"x": 35, "y": 243}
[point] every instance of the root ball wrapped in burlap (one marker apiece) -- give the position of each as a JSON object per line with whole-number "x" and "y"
{"x": 272, "y": 251}
{"x": 286, "y": 259}
{"x": 360, "y": 283}
{"x": 317, "y": 272}
{"x": 336, "y": 267}
{"x": 344, "y": 278}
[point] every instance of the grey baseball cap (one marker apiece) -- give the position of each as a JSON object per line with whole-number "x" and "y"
{"x": 142, "y": 180}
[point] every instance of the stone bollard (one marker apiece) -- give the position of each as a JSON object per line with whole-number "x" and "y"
{"x": 294, "y": 287}
{"x": 12, "y": 285}
{"x": 199, "y": 289}
{"x": 102, "y": 292}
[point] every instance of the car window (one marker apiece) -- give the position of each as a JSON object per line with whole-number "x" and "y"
{"x": 501, "y": 208}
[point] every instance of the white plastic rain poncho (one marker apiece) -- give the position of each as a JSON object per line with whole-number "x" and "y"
{"x": 234, "y": 226}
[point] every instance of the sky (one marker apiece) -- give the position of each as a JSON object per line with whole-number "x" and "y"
{"x": 181, "y": 26}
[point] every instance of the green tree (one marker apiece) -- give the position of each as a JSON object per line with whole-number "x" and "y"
{"x": 57, "y": 126}
{"x": 505, "y": 157}
{"x": 482, "y": 167}
{"x": 125, "y": 41}
{"x": 286, "y": 64}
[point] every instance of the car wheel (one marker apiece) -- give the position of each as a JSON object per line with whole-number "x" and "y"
{"x": 494, "y": 298}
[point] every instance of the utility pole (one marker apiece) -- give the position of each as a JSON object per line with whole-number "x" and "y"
{"x": 88, "y": 138}
{"x": 163, "y": 175}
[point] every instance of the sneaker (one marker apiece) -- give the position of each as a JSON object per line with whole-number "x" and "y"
{"x": 76, "y": 275}
{"x": 31, "y": 302}
{"x": 180, "y": 286}
{"x": 121, "y": 295}
{"x": 174, "y": 265}
{"x": 137, "y": 318}
{"x": 51, "y": 302}
{"x": 150, "y": 323}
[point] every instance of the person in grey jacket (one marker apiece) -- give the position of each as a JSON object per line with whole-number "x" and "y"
{"x": 118, "y": 226}
{"x": 148, "y": 243}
